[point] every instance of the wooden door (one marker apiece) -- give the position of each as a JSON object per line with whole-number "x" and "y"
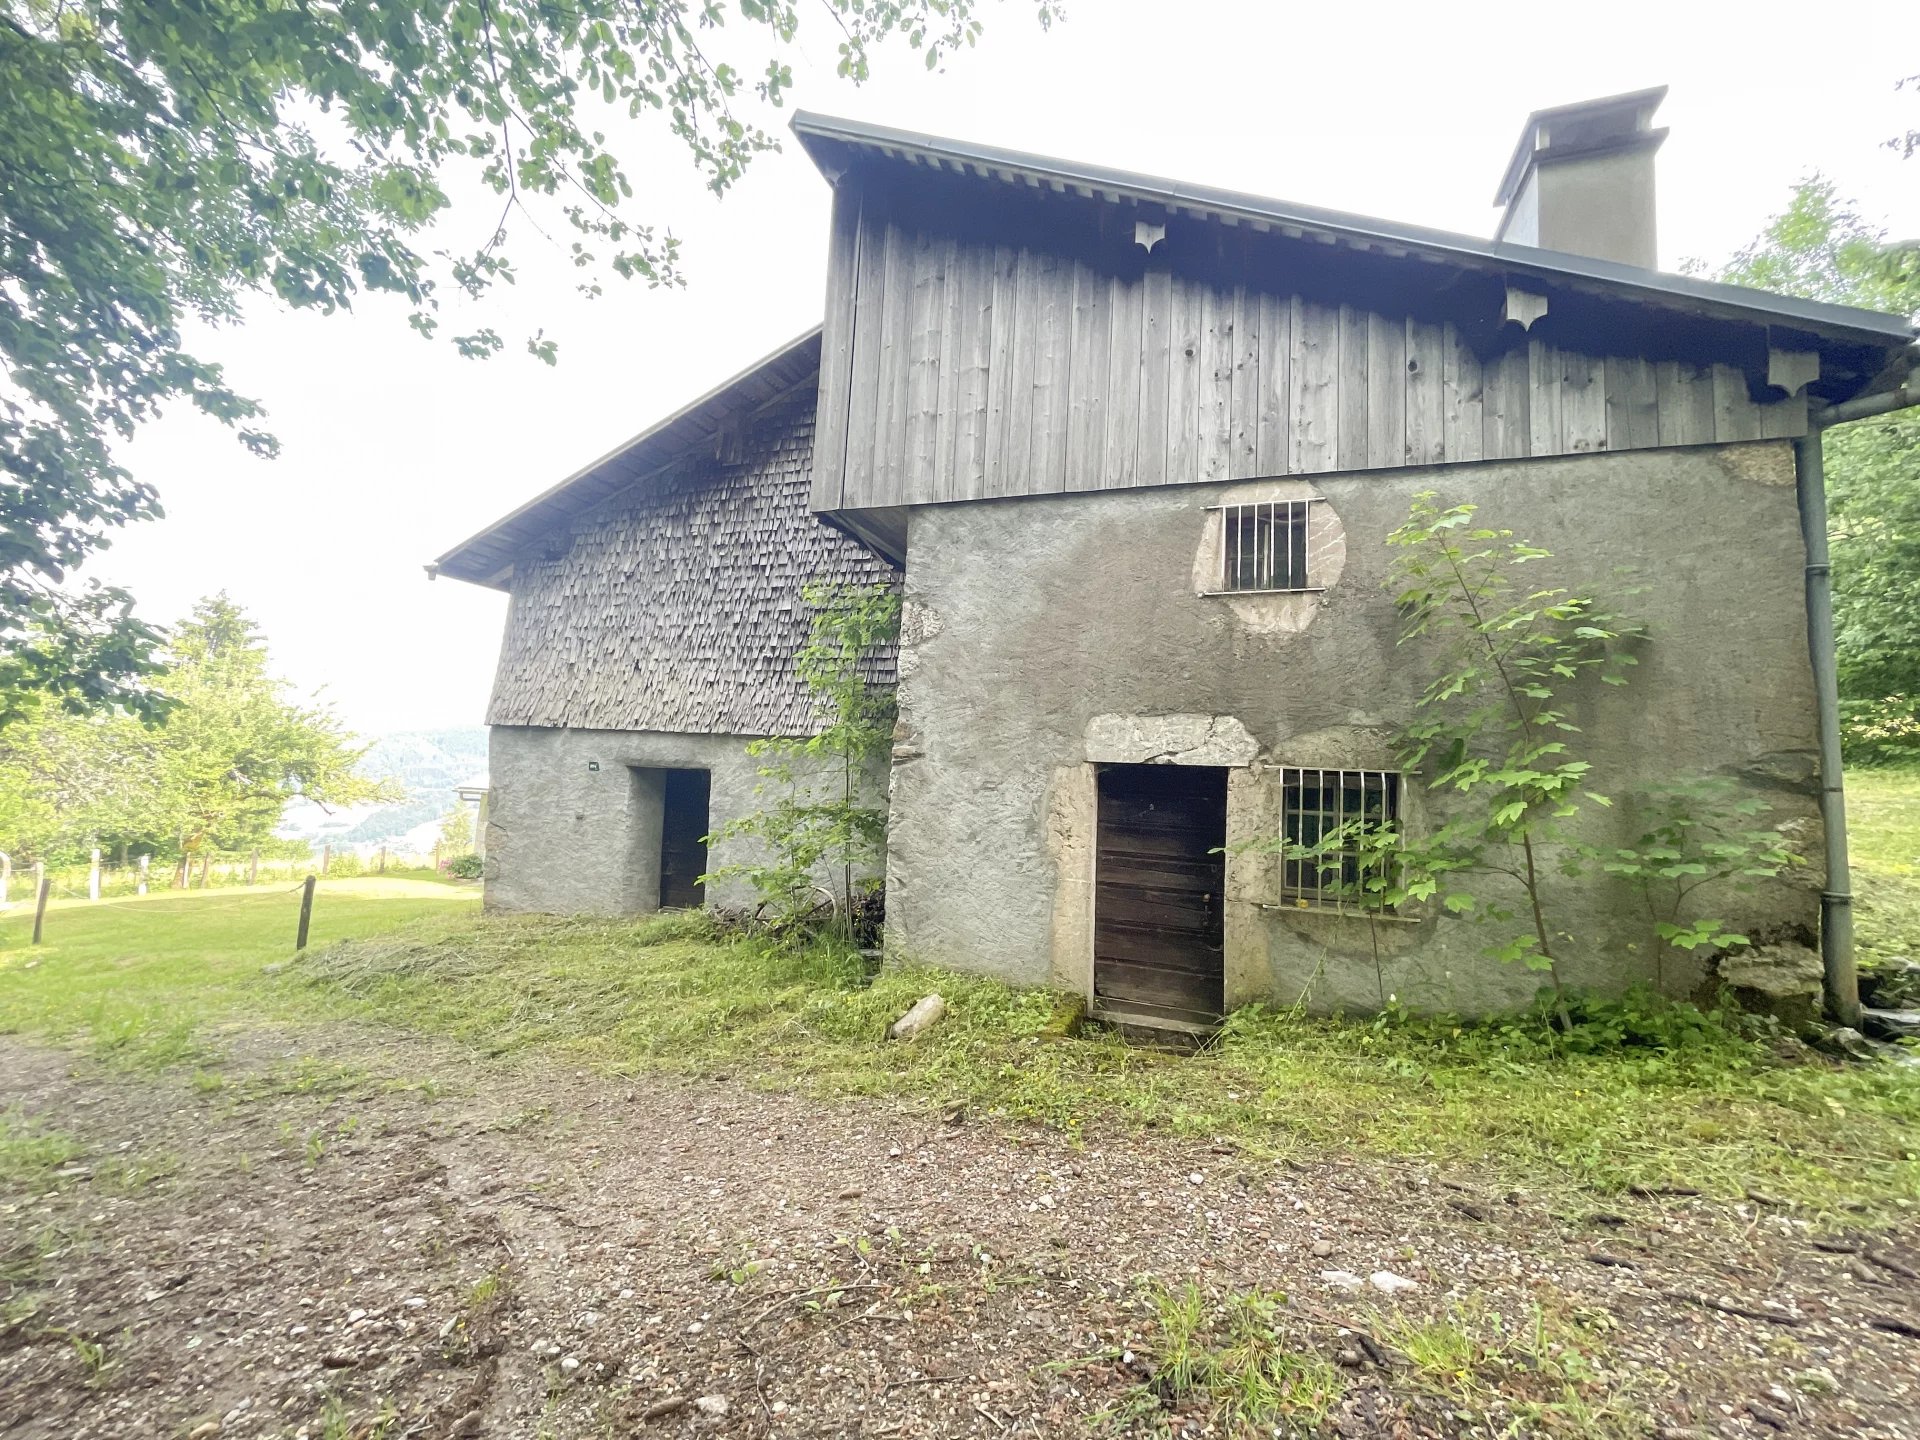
{"x": 683, "y": 838}
{"x": 1158, "y": 912}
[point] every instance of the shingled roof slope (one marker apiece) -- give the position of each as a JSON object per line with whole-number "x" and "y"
{"x": 677, "y": 606}
{"x": 488, "y": 557}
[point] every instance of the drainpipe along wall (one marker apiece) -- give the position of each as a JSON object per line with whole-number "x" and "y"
{"x": 1836, "y": 900}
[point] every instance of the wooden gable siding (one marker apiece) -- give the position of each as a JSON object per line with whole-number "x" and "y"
{"x": 961, "y": 368}
{"x": 676, "y": 607}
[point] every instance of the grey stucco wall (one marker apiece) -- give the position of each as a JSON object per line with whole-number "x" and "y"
{"x": 564, "y": 837}
{"x": 1043, "y": 635}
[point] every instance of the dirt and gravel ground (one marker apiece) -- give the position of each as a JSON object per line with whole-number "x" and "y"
{"x": 446, "y": 1249}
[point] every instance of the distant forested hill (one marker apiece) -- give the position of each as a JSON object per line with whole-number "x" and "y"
{"x": 427, "y": 764}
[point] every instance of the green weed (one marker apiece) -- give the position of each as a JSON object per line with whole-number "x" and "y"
{"x": 30, "y": 1154}
{"x": 1230, "y": 1356}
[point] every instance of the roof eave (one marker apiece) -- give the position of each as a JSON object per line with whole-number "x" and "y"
{"x": 817, "y": 132}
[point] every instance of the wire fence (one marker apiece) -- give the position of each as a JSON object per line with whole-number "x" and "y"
{"x": 205, "y": 870}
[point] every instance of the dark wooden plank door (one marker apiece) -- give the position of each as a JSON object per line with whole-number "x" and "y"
{"x": 1158, "y": 912}
{"x": 683, "y": 838}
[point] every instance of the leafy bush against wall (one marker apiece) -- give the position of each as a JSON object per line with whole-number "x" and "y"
{"x": 814, "y": 816}
{"x": 1496, "y": 741}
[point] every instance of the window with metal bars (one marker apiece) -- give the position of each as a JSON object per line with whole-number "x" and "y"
{"x": 1330, "y": 820}
{"x": 1263, "y": 545}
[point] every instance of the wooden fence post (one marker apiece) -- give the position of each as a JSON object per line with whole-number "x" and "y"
{"x": 253, "y": 868}
{"x": 326, "y": 858}
{"x": 306, "y": 914}
{"x": 206, "y": 863}
{"x": 383, "y": 869}
{"x": 40, "y": 906}
{"x": 93, "y": 875}
{"x": 140, "y": 888}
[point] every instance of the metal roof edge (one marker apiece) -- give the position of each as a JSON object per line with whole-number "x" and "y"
{"x": 554, "y": 492}
{"x": 1758, "y": 305}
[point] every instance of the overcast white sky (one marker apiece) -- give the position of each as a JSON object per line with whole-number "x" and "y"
{"x": 394, "y": 448}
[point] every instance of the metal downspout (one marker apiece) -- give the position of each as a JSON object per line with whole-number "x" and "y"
{"x": 1836, "y": 898}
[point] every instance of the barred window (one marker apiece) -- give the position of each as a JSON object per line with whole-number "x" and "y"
{"x": 1329, "y": 815}
{"x": 1263, "y": 546}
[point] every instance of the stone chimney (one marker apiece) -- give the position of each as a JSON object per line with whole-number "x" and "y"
{"x": 1581, "y": 180}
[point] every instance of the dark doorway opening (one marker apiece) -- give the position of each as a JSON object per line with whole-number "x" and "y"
{"x": 683, "y": 838}
{"x": 1158, "y": 910}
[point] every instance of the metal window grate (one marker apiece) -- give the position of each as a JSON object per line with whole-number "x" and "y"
{"x": 1263, "y": 546}
{"x": 1316, "y": 807}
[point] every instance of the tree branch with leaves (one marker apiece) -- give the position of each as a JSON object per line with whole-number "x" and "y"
{"x": 165, "y": 160}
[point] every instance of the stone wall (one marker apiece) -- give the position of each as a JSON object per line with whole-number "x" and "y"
{"x": 574, "y": 816}
{"x": 1044, "y": 636}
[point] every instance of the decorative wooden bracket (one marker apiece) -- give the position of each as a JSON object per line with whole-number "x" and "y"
{"x": 1147, "y": 234}
{"x": 1523, "y": 307}
{"x": 1792, "y": 370}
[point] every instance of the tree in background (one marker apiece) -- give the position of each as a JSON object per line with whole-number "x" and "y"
{"x": 215, "y": 773}
{"x": 1821, "y": 249}
{"x": 456, "y": 831}
{"x": 168, "y": 158}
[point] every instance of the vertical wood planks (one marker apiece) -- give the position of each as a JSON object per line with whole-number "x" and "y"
{"x": 1350, "y": 425}
{"x": 1544, "y": 389}
{"x": 956, "y": 325}
{"x": 1023, "y": 356}
{"x": 1505, "y": 430}
{"x": 1273, "y": 444}
{"x": 869, "y": 321}
{"x": 1462, "y": 399}
{"x": 1426, "y": 400}
{"x": 1053, "y": 358}
{"x": 1633, "y": 405}
{"x": 920, "y": 458}
{"x": 1184, "y": 362}
{"x": 1386, "y": 392}
{"x": 1243, "y": 438}
{"x": 836, "y": 350}
{"x": 896, "y": 348}
{"x": 1156, "y": 351}
{"x": 999, "y": 372}
{"x": 1734, "y": 414}
{"x": 1583, "y": 403}
{"x": 1315, "y": 416}
{"x": 1684, "y": 395}
{"x": 1784, "y": 419}
{"x": 964, "y": 370}
{"x": 1126, "y": 304}
{"x": 1092, "y": 348}
{"x": 1214, "y": 422}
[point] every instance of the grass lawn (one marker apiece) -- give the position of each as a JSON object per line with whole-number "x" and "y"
{"x": 1683, "y": 1102}
{"x": 150, "y": 976}
{"x": 1883, "y": 818}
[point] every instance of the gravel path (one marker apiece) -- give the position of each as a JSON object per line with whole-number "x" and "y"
{"x": 448, "y": 1249}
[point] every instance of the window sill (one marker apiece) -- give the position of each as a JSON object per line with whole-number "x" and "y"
{"x": 1295, "y": 590}
{"x": 1339, "y": 911}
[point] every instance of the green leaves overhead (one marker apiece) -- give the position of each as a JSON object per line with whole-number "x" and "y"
{"x": 167, "y": 159}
